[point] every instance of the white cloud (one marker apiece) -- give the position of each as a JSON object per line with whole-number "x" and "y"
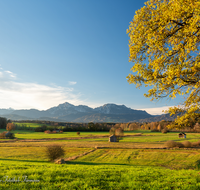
{"x": 32, "y": 95}
{"x": 156, "y": 111}
{"x": 7, "y": 75}
{"x": 11, "y": 74}
{"x": 72, "y": 82}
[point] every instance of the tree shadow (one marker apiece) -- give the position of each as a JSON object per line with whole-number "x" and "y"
{"x": 92, "y": 163}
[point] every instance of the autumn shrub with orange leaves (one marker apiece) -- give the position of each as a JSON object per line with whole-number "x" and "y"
{"x": 10, "y": 127}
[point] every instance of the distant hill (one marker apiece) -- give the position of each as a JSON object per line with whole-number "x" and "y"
{"x": 69, "y": 113}
{"x": 165, "y": 117}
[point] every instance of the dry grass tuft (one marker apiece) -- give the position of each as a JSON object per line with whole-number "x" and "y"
{"x": 187, "y": 144}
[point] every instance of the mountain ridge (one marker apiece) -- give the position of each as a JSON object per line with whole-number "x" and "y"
{"x": 67, "y": 112}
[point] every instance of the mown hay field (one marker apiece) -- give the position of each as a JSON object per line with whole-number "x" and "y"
{"x": 136, "y": 162}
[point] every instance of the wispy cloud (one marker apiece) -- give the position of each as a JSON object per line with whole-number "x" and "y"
{"x": 11, "y": 74}
{"x": 156, "y": 111}
{"x": 72, "y": 82}
{"x": 25, "y": 95}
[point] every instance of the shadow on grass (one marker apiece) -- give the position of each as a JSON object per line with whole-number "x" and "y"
{"x": 113, "y": 164}
{"x": 92, "y": 163}
{"x": 31, "y": 161}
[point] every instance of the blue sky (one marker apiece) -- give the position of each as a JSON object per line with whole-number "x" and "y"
{"x": 73, "y": 51}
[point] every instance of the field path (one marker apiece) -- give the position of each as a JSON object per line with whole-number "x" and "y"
{"x": 80, "y": 155}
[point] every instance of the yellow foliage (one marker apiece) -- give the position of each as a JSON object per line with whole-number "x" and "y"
{"x": 164, "y": 46}
{"x": 10, "y": 126}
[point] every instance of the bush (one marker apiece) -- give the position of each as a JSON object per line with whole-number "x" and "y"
{"x": 172, "y": 144}
{"x": 187, "y": 144}
{"x": 155, "y": 130}
{"x": 47, "y": 131}
{"x": 196, "y": 144}
{"x": 180, "y": 145}
{"x": 38, "y": 129}
{"x": 3, "y": 135}
{"x": 165, "y": 130}
{"x": 10, "y": 127}
{"x": 41, "y": 128}
{"x": 54, "y": 151}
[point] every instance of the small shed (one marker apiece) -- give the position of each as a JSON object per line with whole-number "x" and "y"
{"x": 182, "y": 135}
{"x": 112, "y": 138}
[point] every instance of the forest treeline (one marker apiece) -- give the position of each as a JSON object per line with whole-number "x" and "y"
{"x": 66, "y": 126}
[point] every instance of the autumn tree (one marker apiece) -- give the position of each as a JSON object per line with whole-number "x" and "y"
{"x": 133, "y": 126}
{"x": 10, "y": 126}
{"x": 164, "y": 47}
{"x": 159, "y": 127}
{"x": 117, "y": 131}
{"x": 123, "y": 126}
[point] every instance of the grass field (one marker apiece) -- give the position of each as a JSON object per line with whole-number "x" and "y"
{"x": 33, "y": 125}
{"x": 81, "y": 176}
{"x": 132, "y": 163}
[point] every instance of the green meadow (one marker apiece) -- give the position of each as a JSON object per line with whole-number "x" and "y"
{"x": 139, "y": 161}
{"x": 33, "y": 125}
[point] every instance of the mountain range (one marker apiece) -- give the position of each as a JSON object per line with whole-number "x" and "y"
{"x": 83, "y": 114}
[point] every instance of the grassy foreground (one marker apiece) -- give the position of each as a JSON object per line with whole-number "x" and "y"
{"x": 123, "y": 165}
{"x": 69, "y": 176}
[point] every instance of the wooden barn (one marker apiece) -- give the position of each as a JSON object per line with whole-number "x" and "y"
{"x": 182, "y": 135}
{"x": 112, "y": 138}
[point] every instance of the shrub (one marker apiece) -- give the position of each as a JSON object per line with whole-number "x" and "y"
{"x": 165, "y": 130}
{"x": 187, "y": 144}
{"x": 41, "y": 128}
{"x": 172, "y": 144}
{"x": 3, "y": 135}
{"x": 155, "y": 130}
{"x": 47, "y": 131}
{"x": 180, "y": 145}
{"x": 196, "y": 144}
{"x": 10, "y": 127}
{"x": 54, "y": 151}
{"x": 38, "y": 129}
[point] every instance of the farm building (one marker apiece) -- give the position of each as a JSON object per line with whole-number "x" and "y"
{"x": 112, "y": 138}
{"x": 182, "y": 135}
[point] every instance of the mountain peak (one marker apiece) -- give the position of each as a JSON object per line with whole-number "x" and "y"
{"x": 65, "y": 105}
{"x": 113, "y": 109}
{"x": 70, "y": 113}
